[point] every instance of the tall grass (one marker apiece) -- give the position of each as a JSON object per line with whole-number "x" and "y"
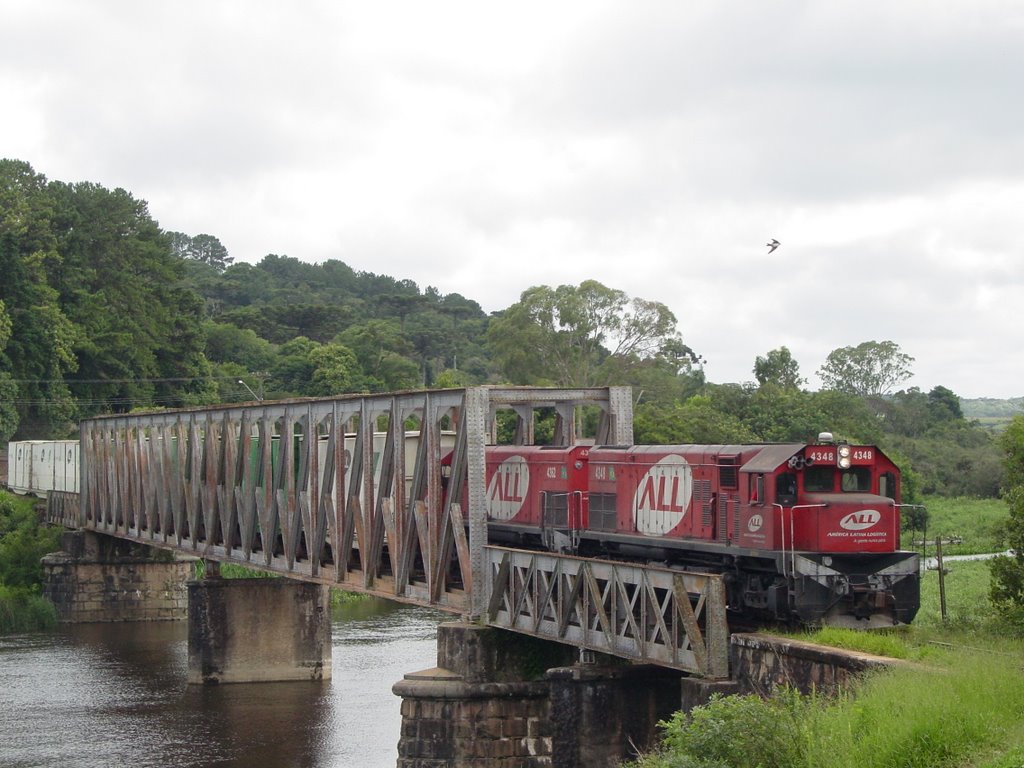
{"x": 976, "y": 522}
{"x": 966, "y": 708}
{"x": 971, "y": 703}
{"x": 967, "y": 602}
{"x": 891, "y": 644}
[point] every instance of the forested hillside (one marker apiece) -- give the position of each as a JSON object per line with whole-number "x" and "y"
{"x": 101, "y": 311}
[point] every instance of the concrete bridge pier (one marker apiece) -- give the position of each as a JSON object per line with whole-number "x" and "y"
{"x": 99, "y": 578}
{"x": 498, "y": 698}
{"x": 257, "y": 630}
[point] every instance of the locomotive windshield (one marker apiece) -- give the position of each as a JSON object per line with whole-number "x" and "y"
{"x": 821, "y": 478}
{"x": 785, "y": 489}
{"x": 856, "y": 480}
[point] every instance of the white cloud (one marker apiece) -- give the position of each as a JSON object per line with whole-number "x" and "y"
{"x": 484, "y": 149}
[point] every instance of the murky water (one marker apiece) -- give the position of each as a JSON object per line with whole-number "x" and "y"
{"x": 115, "y": 694}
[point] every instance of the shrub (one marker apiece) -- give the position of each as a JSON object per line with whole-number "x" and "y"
{"x": 24, "y": 610}
{"x": 23, "y": 542}
{"x": 736, "y": 732}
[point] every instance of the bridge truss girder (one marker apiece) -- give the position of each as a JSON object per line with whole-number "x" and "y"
{"x": 342, "y": 509}
{"x": 640, "y": 612}
{"x": 216, "y": 482}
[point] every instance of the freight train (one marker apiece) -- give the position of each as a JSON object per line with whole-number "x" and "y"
{"x": 803, "y": 533}
{"x": 37, "y": 467}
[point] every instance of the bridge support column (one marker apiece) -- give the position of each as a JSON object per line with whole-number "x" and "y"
{"x": 485, "y": 704}
{"x": 600, "y": 712}
{"x": 258, "y": 630}
{"x": 98, "y": 578}
{"x": 498, "y": 698}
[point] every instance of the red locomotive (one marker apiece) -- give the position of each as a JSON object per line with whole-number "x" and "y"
{"x": 806, "y": 533}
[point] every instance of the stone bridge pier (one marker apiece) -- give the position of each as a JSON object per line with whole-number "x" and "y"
{"x": 98, "y": 578}
{"x": 239, "y": 630}
{"x": 498, "y": 698}
{"x": 257, "y": 630}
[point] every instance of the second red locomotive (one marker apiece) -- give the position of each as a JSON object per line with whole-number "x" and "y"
{"x": 803, "y": 532}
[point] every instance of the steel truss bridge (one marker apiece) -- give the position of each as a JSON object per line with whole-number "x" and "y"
{"x": 351, "y": 491}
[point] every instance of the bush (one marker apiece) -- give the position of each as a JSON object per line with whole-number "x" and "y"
{"x": 23, "y": 542}
{"x": 24, "y": 610}
{"x": 736, "y": 732}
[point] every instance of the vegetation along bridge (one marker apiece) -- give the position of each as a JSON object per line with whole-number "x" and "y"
{"x": 365, "y": 492}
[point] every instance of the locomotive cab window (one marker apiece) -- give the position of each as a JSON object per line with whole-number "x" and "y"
{"x": 757, "y": 489}
{"x": 856, "y": 479}
{"x": 887, "y": 485}
{"x": 785, "y": 488}
{"x": 819, "y": 478}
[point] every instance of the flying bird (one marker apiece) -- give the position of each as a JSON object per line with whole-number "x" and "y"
{"x": 772, "y": 244}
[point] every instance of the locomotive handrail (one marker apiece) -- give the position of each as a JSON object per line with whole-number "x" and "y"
{"x": 782, "y": 525}
{"x": 792, "y": 533}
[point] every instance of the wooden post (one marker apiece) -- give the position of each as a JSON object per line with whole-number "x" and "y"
{"x": 942, "y": 578}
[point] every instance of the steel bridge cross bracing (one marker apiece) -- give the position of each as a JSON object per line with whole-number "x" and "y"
{"x": 356, "y": 491}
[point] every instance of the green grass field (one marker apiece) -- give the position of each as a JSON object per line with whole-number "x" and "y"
{"x": 974, "y": 522}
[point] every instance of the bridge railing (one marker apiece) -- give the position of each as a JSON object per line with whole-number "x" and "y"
{"x": 649, "y": 614}
{"x": 63, "y": 508}
{"x": 330, "y": 490}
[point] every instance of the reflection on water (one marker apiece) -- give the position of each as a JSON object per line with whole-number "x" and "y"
{"x": 115, "y": 694}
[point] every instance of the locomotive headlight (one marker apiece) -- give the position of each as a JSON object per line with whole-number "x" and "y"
{"x": 844, "y": 457}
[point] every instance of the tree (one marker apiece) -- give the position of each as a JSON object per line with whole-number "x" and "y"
{"x": 41, "y": 339}
{"x": 1007, "y": 588}
{"x": 203, "y": 248}
{"x": 292, "y": 371}
{"x": 226, "y": 343}
{"x": 1012, "y": 443}
{"x": 871, "y": 368}
{"x": 695, "y": 421}
{"x": 578, "y": 335}
{"x": 8, "y": 389}
{"x": 335, "y": 371}
{"x": 779, "y": 368}
{"x": 944, "y": 405}
{"x": 139, "y": 331}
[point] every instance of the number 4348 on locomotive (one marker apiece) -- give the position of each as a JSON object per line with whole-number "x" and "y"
{"x": 804, "y": 533}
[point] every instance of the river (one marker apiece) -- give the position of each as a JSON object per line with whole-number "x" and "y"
{"x": 115, "y": 694}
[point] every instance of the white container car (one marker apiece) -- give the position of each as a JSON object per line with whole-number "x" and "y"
{"x": 38, "y": 466}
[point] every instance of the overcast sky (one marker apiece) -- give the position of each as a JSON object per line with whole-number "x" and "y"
{"x": 655, "y": 147}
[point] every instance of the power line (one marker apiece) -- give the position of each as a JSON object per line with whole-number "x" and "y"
{"x": 125, "y": 381}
